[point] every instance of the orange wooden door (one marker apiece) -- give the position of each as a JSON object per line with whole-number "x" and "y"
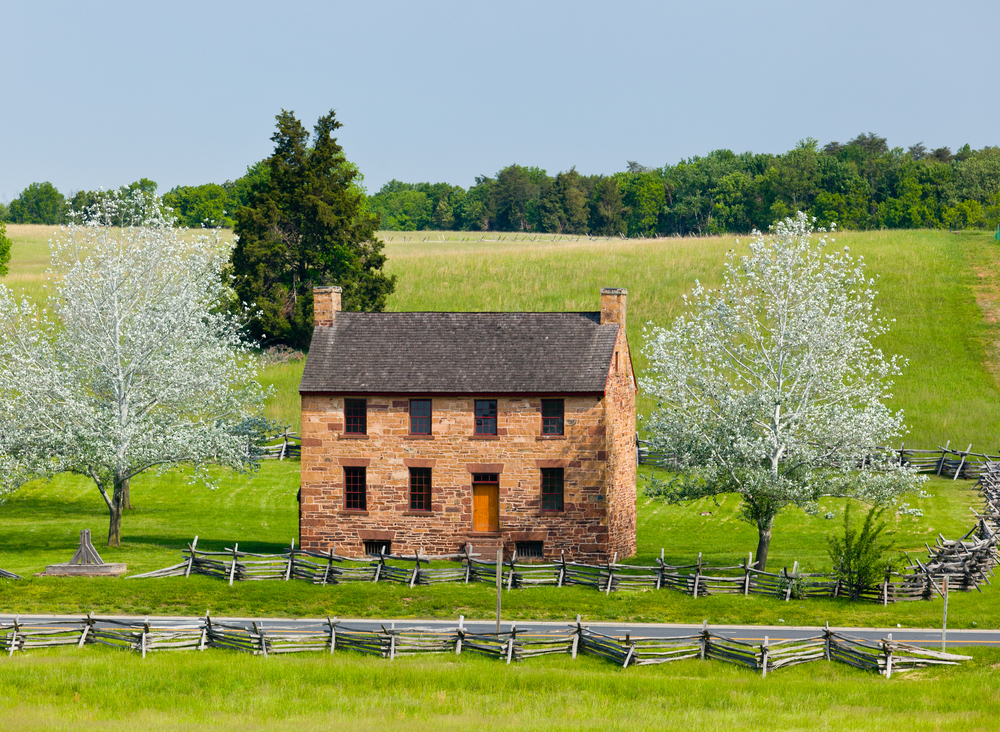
{"x": 485, "y": 507}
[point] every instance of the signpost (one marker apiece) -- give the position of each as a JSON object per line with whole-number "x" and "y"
{"x": 499, "y": 584}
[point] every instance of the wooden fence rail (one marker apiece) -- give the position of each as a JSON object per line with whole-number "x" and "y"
{"x": 513, "y": 645}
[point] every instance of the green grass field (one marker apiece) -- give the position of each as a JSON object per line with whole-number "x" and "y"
{"x": 938, "y": 287}
{"x": 104, "y": 689}
{"x": 932, "y": 284}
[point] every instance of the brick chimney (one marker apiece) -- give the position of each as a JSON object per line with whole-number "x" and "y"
{"x": 613, "y": 305}
{"x": 326, "y": 305}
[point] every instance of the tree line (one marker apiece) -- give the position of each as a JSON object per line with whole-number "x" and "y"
{"x": 211, "y": 205}
{"x": 861, "y": 184}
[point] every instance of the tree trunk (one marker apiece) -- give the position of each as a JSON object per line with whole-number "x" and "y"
{"x": 126, "y": 497}
{"x": 116, "y": 509}
{"x": 763, "y": 542}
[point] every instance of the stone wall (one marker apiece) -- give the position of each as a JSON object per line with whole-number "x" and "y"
{"x": 588, "y": 452}
{"x": 620, "y": 421}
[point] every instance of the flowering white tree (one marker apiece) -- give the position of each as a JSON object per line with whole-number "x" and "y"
{"x": 771, "y": 387}
{"x": 135, "y": 362}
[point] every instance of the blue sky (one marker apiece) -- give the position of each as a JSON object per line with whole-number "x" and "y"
{"x": 103, "y": 93}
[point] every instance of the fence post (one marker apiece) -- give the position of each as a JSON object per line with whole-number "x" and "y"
{"x": 576, "y": 637}
{"x": 142, "y": 637}
{"x": 611, "y": 574}
{"x": 885, "y": 587}
{"x": 944, "y": 617}
{"x": 468, "y": 562}
{"x": 659, "y": 571}
{"x": 333, "y": 634}
{"x": 941, "y": 462}
{"x": 13, "y": 636}
{"x": 510, "y": 643}
{"x": 416, "y": 567}
{"x": 392, "y": 642}
{"x": 329, "y": 566}
{"x": 191, "y": 548}
{"x": 746, "y": 574}
{"x": 826, "y": 634}
{"x": 461, "y": 635}
{"x": 697, "y": 577}
{"x": 291, "y": 561}
{"x": 562, "y": 567}
{"x": 763, "y": 658}
{"x": 887, "y": 648}
{"x": 381, "y": 561}
{"x": 232, "y": 570}
{"x": 510, "y": 577}
{"x": 86, "y": 629}
{"x": 259, "y": 630}
{"x": 704, "y": 638}
{"x": 962, "y": 462}
{"x": 204, "y": 632}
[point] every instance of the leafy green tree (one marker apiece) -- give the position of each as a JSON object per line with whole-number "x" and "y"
{"x": 205, "y": 205}
{"x": 607, "y": 212}
{"x": 514, "y": 191}
{"x": 307, "y": 225}
{"x": 5, "y": 245}
{"x": 39, "y": 203}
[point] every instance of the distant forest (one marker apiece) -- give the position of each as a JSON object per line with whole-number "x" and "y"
{"x": 860, "y": 184}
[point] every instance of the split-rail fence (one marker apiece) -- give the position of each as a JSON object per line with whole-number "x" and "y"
{"x": 330, "y": 635}
{"x": 967, "y": 563}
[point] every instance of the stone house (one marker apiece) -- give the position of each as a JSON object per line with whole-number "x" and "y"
{"x": 436, "y": 430}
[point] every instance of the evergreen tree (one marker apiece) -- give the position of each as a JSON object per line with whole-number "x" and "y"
{"x": 306, "y": 224}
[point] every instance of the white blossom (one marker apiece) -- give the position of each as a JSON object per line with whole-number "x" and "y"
{"x": 772, "y": 386}
{"x": 136, "y": 361}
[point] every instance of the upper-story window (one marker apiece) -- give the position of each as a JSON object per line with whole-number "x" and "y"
{"x": 486, "y": 416}
{"x": 552, "y": 416}
{"x": 355, "y": 416}
{"x": 420, "y": 416}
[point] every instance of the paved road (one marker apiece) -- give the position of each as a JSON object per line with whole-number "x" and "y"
{"x": 748, "y": 633}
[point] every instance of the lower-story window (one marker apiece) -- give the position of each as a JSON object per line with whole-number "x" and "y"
{"x": 355, "y": 489}
{"x": 552, "y": 489}
{"x": 377, "y": 546}
{"x": 420, "y": 489}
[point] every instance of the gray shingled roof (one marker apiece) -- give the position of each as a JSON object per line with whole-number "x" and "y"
{"x": 460, "y": 353}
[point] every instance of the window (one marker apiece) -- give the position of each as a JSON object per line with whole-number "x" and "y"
{"x": 420, "y": 416}
{"x": 485, "y": 478}
{"x": 376, "y": 547}
{"x": 355, "y": 416}
{"x": 355, "y": 489}
{"x": 529, "y": 549}
{"x": 420, "y": 489}
{"x": 552, "y": 489}
{"x": 552, "y": 416}
{"x": 486, "y": 416}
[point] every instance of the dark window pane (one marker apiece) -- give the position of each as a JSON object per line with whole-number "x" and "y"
{"x": 552, "y": 416}
{"x": 355, "y": 489}
{"x": 485, "y": 478}
{"x": 420, "y": 489}
{"x": 356, "y": 416}
{"x": 420, "y": 416}
{"x": 486, "y": 416}
{"x": 552, "y": 489}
